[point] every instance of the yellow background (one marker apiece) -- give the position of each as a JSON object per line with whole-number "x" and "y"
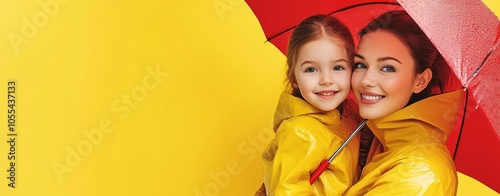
{"x": 88, "y": 99}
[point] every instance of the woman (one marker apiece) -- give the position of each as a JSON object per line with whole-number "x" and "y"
{"x": 397, "y": 77}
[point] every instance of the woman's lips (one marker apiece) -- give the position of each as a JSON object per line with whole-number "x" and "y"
{"x": 370, "y": 98}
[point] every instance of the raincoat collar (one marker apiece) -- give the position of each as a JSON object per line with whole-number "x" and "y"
{"x": 290, "y": 106}
{"x": 431, "y": 119}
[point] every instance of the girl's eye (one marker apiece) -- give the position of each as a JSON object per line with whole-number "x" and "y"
{"x": 388, "y": 69}
{"x": 310, "y": 69}
{"x": 359, "y": 66}
{"x": 338, "y": 68}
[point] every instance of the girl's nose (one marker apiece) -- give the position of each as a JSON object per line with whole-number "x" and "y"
{"x": 326, "y": 79}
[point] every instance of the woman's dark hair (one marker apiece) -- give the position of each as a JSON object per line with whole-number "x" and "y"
{"x": 424, "y": 54}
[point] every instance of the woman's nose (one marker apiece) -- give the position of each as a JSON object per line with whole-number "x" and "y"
{"x": 368, "y": 80}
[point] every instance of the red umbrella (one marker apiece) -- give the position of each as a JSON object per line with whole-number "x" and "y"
{"x": 466, "y": 33}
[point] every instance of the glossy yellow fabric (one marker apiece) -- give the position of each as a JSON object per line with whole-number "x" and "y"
{"x": 305, "y": 136}
{"x": 408, "y": 156}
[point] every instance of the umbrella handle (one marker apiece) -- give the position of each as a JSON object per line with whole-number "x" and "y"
{"x": 315, "y": 175}
{"x": 327, "y": 163}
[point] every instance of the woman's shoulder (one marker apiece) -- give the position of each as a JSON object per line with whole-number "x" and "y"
{"x": 428, "y": 158}
{"x": 419, "y": 176}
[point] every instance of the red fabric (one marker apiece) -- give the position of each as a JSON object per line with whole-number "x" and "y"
{"x": 464, "y": 31}
{"x": 278, "y": 16}
{"x": 478, "y": 152}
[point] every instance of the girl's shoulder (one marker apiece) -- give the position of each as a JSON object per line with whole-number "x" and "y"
{"x": 303, "y": 126}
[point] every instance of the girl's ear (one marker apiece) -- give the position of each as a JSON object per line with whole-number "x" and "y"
{"x": 293, "y": 81}
{"x": 422, "y": 80}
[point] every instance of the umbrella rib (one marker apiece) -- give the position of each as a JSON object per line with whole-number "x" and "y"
{"x": 336, "y": 11}
{"x": 363, "y": 4}
{"x": 485, "y": 58}
{"x": 462, "y": 123}
{"x": 482, "y": 63}
{"x": 274, "y": 36}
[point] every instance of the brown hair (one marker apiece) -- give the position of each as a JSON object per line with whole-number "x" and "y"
{"x": 314, "y": 28}
{"x": 424, "y": 54}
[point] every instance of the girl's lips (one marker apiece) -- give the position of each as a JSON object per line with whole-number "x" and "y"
{"x": 326, "y": 94}
{"x": 370, "y": 98}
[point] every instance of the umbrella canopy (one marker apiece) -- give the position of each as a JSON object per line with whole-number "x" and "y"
{"x": 278, "y": 18}
{"x": 466, "y": 33}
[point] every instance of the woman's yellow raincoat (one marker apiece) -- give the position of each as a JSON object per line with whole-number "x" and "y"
{"x": 305, "y": 136}
{"x": 409, "y": 155}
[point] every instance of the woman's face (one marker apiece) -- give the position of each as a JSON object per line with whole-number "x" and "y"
{"x": 384, "y": 76}
{"x": 323, "y": 73}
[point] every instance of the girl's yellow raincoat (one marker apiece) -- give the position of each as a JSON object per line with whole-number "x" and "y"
{"x": 409, "y": 155}
{"x": 305, "y": 136}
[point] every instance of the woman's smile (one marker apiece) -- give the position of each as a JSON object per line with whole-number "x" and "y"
{"x": 370, "y": 98}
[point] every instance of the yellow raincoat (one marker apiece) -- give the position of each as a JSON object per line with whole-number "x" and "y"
{"x": 305, "y": 136}
{"x": 409, "y": 155}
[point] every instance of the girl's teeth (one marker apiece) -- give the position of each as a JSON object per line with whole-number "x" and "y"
{"x": 325, "y": 94}
{"x": 371, "y": 97}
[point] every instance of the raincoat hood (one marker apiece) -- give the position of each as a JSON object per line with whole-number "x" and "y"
{"x": 408, "y": 155}
{"x": 290, "y": 106}
{"x": 431, "y": 119}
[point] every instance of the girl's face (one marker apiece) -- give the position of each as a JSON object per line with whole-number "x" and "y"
{"x": 384, "y": 75}
{"x": 323, "y": 73}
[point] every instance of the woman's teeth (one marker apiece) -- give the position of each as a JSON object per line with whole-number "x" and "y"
{"x": 372, "y": 97}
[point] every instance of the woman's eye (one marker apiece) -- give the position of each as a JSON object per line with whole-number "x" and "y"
{"x": 310, "y": 69}
{"x": 388, "y": 69}
{"x": 359, "y": 66}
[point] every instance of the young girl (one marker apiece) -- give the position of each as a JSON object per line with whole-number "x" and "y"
{"x": 314, "y": 118}
{"x": 397, "y": 78}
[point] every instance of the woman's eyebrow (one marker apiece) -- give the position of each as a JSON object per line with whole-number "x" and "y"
{"x": 388, "y": 58}
{"x": 359, "y": 56}
{"x": 380, "y": 59}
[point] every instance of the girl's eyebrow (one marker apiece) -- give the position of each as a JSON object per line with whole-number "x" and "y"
{"x": 306, "y": 62}
{"x": 380, "y": 59}
{"x": 335, "y": 61}
{"x": 341, "y": 60}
